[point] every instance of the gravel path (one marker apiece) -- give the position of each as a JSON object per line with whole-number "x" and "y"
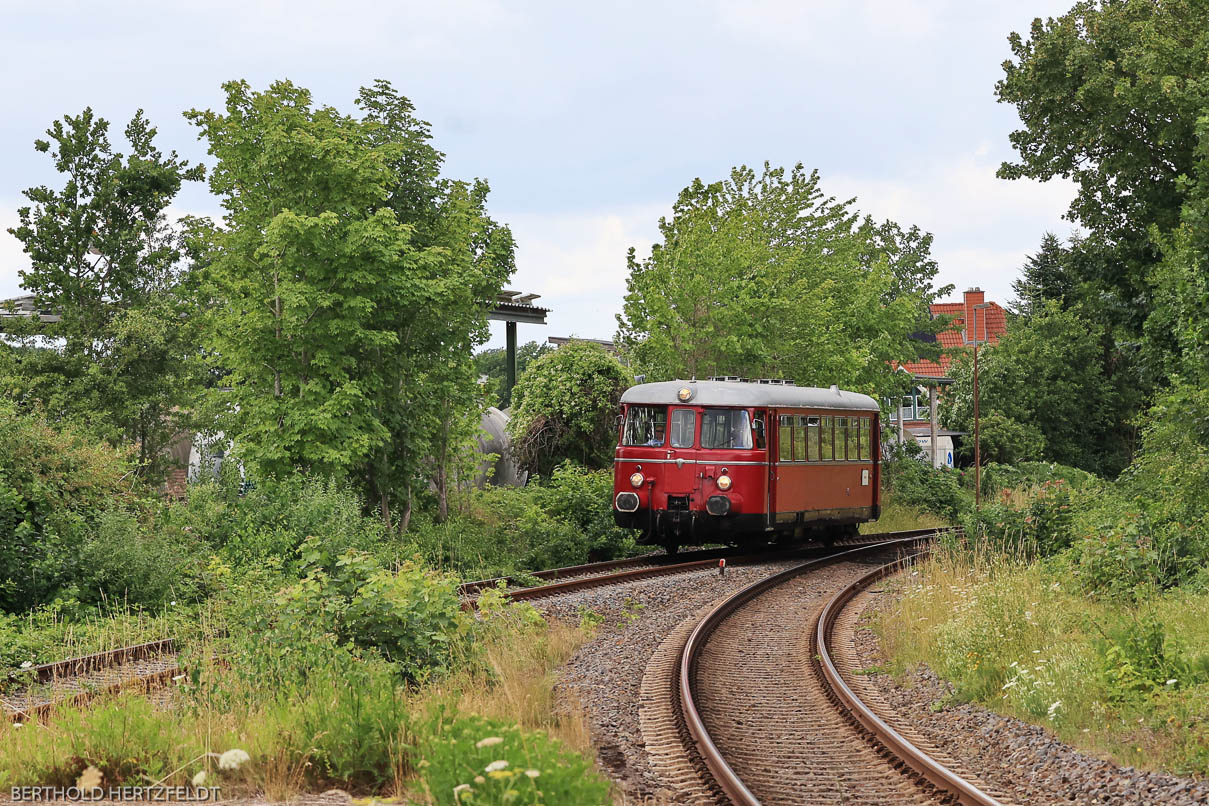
{"x": 1021, "y": 761}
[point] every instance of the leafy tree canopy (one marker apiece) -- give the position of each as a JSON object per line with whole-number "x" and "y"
{"x": 763, "y": 275}
{"x": 103, "y": 255}
{"x": 347, "y": 288}
{"x": 566, "y": 407}
{"x": 1043, "y": 378}
{"x": 1110, "y": 94}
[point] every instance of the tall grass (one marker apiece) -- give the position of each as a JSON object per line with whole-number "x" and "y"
{"x": 897, "y": 517}
{"x": 350, "y": 723}
{"x": 1126, "y": 681}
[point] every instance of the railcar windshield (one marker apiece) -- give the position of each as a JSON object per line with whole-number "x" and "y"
{"x": 725, "y": 428}
{"x": 645, "y": 425}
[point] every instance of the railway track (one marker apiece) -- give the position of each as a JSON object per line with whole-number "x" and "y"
{"x": 613, "y": 572}
{"x": 746, "y": 704}
{"x": 77, "y": 680}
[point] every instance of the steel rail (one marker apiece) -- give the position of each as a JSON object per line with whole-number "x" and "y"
{"x": 940, "y": 776}
{"x": 87, "y": 664}
{"x": 649, "y": 569}
{"x": 73, "y": 667}
{"x": 724, "y": 775}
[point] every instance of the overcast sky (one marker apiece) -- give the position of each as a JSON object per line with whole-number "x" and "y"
{"x": 587, "y": 119}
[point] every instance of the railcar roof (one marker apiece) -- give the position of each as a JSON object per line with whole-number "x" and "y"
{"x": 742, "y": 393}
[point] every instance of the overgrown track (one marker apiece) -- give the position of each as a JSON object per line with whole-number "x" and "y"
{"x": 77, "y": 680}
{"x": 613, "y": 572}
{"x": 766, "y": 712}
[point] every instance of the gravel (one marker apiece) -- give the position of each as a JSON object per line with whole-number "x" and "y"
{"x": 604, "y": 677}
{"x": 1021, "y": 762}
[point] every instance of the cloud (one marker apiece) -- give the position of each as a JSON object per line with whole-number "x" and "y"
{"x": 983, "y": 226}
{"x": 576, "y": 261}
{"x": 822, "y": 23}
{"x": 12, "y": 254}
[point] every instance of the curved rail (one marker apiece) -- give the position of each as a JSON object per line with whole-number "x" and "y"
{"x": 940, "y": 776}
{"x": 594, "y": 575}
{"x": 723, "y": 774}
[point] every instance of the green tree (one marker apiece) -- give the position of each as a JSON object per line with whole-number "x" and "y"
{"x": 104, "y": 257}
{"x": 566, "y": 407}
{"x": 1045, "y": 276}
{"x": 1110, "y": 94}
{"x": 765, "y": 276}
{"x": 348, "y": 284}
{"x": 1044, "y": 377}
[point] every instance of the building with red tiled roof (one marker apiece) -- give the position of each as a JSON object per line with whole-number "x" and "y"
{"x": 915, "y": 415}
{"x": 992, "y": 323}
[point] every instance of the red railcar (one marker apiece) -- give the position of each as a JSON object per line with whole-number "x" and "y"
{"x": 736, "y": 461}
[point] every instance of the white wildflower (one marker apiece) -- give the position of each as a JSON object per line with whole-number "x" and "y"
{"x": 1053, "y": 709}
{"x": 533, "y": 773}
{"x": 460, "y": 788}
{"x": 478, "y": 779}
{"x": 27, "y": 664}
{"x": 199, "y": 780}
{"x": 232, "y": 759}
{"x": 18, "y": 724}
{"x": 488, "y": 742}
{"x": 496, "y": 766}
{"x": 1172, "y": 681}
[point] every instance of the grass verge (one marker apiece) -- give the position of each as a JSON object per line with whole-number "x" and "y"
{"x": 1130, "y": 681}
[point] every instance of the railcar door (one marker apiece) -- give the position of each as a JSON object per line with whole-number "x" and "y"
{"x": 680, "y": 468}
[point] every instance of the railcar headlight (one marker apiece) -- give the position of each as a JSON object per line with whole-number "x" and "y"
{"x": 636, "y": 480}
{"x": 685, "y": 394}
{"x": 724, "y": 483}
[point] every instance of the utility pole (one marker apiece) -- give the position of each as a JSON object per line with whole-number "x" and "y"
{"x": 977, "y": 452}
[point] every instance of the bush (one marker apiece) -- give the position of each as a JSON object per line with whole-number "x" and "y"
{"x": 270, "y": 521}
{"x": 917, "y": 485}
{"x": 54, "y": 486}
{"x": 503, "y": 530}
{"x": 475, "y": 760}
{"x": 998, "y": 477}
{"x": 584, "y": 499}
{"x": 1032, "y": 523}
{"x": 124, "y": 560}
{"x": 565, "y": 407}
{"x": 410, "y": 617}
{"x": 1002, "y": 439}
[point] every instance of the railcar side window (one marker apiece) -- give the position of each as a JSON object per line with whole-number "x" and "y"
{"x": 841, "y": 435}
{"x": 725, "y": 428}
{"x": 684, "y": 427}
{"x": 645, "y": 425}
{"x": 785, "y": 438}
{"x": 799, "y": 440}
{"x": 812, "y": 439}
{"x": 866, "y": 438}
{"x": 827, "y": 438}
